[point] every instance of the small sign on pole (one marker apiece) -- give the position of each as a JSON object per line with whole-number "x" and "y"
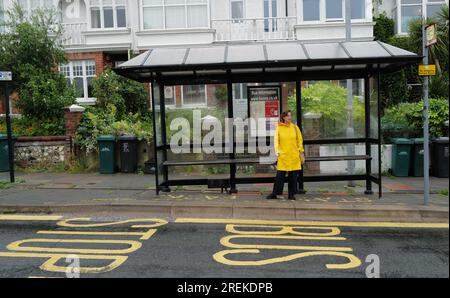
{"x": 431, "y": 35}
{"x": 5, "y": 76}
{"x": 427, "y": 70}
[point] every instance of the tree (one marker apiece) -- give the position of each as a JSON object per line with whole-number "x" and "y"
{"x": 126, "y": 95}
{"x": 31, "y": 48}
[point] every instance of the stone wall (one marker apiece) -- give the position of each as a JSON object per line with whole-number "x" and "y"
{"x": 37, "y": 150}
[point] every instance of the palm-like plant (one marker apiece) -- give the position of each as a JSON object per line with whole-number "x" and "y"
{"x": 438, "y": 53}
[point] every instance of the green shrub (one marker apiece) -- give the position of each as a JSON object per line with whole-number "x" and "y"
{"x": 126, "y": 95}
{"x": 26, "y": 127}
{"x": 97, "y": 121}
{"x": 384, "y": 28}
{"x": 330, "y": 100}
{"x": 406, "y": 119}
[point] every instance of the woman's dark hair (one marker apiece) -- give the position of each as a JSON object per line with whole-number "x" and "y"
{"x": 284, "y": 114}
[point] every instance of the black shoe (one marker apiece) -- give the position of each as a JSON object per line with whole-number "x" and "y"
{"x": 292, "y": 198}
{"x": 271, "y": 197}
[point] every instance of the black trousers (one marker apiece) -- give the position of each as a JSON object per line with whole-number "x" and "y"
{"x": 279, "y": 183}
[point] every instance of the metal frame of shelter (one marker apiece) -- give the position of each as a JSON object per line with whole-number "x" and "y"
{"x": 264, "y": 62}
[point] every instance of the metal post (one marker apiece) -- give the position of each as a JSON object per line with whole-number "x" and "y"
{"x": 232, "y": 155}
{"x": 426, "y": 148}
{"x": 298, "y": 95}
{"x": 350, "y": 130}
{"x": 162, "y": 105}
{"x": 8, "y": 129}
{"x": 155, "y": 142}
{"x": 367, "y": 135}
{"x": 380, "y": 181}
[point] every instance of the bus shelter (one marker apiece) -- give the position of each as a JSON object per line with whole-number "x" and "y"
{"x": 266, "y": 63}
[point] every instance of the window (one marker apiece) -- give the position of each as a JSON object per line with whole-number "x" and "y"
{"x": 30, "y": 5}
{"x": 107, "y": 14}
{"x": 194, "y": 95}
{"x": 413, "y": 9}
{"x": 174, "y": 14}
{"x": 334, "y": 9}
{"x": 80, "y": 74}
{"x": 237, "y": 9}
{"x": 311, "y": 10}
{"x": 358, "y": 9}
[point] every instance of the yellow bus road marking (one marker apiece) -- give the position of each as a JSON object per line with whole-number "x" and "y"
{"x": 220, "y": 257}
{"x": 16, "y": 246}
{"x": 315, "y": 223}
{"x": 144, "y": 235}
{"x": 50, "y": 264}
{"x": 225, "y": 241}
{"x": 43, "y": 277}
{"x": 30, "y": 217}
{"x": 282, "y": 230}
{"x": 156, "y": 223}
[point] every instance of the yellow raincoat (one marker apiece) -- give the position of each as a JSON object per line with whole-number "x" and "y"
{"x": 288, "y": 144}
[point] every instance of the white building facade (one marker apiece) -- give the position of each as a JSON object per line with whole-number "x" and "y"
{"x": 107, "y": 32}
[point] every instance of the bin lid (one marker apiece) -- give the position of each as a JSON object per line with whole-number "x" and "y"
{"x": 5, "y": 137}
{"x": 106, "y": 138}
{"x": 127, "y": 138}
{"x": 441, "y": 140}
{"x": 402, "y": 141}
{"x": 418, "y": 141}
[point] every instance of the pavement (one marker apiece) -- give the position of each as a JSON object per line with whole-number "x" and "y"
{"x": 402, "y": 199}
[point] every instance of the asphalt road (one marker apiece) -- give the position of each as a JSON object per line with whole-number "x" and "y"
{"x": 32, "y": 248}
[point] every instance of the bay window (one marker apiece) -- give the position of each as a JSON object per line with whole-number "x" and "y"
{"x": 80, "y": 74}
{"x": 332, "y": 10}
{"x": 311, "y": 10}
{"x": 174, "y": 14}
{"x": 237, "y": 9}
{"x": 107, "y": 14}
{"x": 358, "y": 9}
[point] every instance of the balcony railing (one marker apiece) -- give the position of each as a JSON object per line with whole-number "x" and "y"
{"x": 255, "y": 29}
{"x": 72, "y": 35}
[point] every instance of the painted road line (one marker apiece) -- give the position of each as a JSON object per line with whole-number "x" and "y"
{"x": 30, "y": 217}
{"x": 220, "y": 257}
{"x": 144, "y": 235}
{"x": 53, "y": 259}
{"x": 315, "y": 223}
{"x": 17, "y": 246}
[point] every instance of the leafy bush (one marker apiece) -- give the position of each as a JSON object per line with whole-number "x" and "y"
{"x": 384, "y": 28}
{"x": 406, "y": 119}
{"x": 330, "y": 101}
{"x": 126, "y": 95}
{"x": 25, "y": 127}
{"x": 97, "y": 121}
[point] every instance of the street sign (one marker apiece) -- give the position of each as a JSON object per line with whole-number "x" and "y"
{"x": 427, "y": 70}
{"x": 5, "y": 76}
{"x": 431, "y": 35}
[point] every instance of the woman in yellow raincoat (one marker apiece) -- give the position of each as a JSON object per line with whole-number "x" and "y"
{"x": 291, "y": 155}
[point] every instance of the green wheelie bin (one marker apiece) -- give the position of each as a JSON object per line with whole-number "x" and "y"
{"x": 107, "y": 146}
{"x": 401, "y": 155}
{"x": 4, "y": 152}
